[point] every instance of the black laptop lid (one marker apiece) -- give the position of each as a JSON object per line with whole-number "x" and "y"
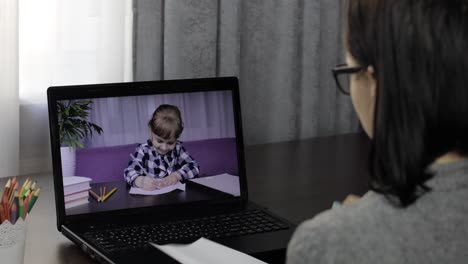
{"x": 115, "y": 138}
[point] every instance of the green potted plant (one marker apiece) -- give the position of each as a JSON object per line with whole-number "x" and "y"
{"x": 73, "y": 127}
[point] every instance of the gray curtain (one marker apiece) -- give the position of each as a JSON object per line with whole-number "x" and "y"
{"x": 282, "y": 52}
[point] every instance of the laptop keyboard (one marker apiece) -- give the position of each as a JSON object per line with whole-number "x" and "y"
{"x": 184, "y": 231}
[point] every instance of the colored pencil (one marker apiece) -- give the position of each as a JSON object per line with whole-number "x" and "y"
{"x": 6, "y": 189}
{"x": 25, "y": 208}
{"x": 14, "y": 214}
{"x": 95, "y": 196}
{"x": 12, "y": 198}
{"x": 4, "y": 197}
{"x": 33, "y": 186}
{"x": 20, "y": 210}
{"x": 13, "y": 182}
{"x": 26, "y": 195}
{"x": 9, "y": 189}
{"x": 26, "y": 188}
{"x": 33, "y": 199}
{"x": 15, "y": 189}
{"x": 109, "y": 194}
{"x": 2, "y": 214}
{"x": 29, "y": 196}
{"x": 6, "y": 207}
{"x": 13, "y": 185}
{"x": 16, "y": 203}
{"x": 23, "y": 186}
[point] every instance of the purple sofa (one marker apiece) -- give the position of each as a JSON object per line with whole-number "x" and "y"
{"x": 104, "y": 164}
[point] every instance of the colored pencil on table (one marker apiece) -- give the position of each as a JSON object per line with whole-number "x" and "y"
{"x": 33, "y": 199}
{"x": 109, "y": 194}
{"x": 104, "y": 191}
{"x": 95, "y": 196}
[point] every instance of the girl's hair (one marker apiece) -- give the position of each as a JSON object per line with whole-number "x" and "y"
{"x": 419, "y": 50}
{"x": 166, "y": 122}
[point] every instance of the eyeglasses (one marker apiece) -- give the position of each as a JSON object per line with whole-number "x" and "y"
{"x": 341, "y": 73}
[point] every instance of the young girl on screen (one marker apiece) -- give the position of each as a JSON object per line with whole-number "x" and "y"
{"x": 161, "y": 161}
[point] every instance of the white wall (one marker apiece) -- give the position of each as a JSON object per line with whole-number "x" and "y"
{"x": 9, "y": 122}
{"x": 35, "y": 153}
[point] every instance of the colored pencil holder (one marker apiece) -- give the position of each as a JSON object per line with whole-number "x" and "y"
{"x": 12, "y": 242}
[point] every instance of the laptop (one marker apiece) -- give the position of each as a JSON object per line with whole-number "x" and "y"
{"x": 102, "y": 210}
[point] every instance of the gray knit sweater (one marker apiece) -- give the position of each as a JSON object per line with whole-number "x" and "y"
{"x": 432, "y": 230}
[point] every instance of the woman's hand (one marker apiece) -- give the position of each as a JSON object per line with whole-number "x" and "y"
{"x": 172, "y": 179}
{"x": 147, "y": 183}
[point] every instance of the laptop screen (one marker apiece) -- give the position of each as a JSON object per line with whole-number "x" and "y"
{"x": 126, "y": 152}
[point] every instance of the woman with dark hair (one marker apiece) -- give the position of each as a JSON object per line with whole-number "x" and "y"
{"x": 407, "y": 72}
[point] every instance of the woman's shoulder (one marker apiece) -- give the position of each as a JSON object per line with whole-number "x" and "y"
{"x": 333, "y": 236}
{"x": 375, "y": 230}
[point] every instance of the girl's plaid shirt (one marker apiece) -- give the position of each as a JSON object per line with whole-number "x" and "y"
{"x": 146, "y": 161}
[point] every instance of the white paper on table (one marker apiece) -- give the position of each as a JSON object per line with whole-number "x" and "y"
{"x": 224, "y": 182}
{"x": 177, "y": 186}
{"x": 205, "y": 251}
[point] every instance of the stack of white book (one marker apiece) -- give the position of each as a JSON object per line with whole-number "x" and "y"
{"x": 76, "y": 189}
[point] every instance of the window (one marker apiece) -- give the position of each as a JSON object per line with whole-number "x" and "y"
{"x": 63, "y": 42}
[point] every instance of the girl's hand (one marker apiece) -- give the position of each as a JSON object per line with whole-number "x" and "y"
{"x": 147, "y": 183}
{"x": 172, "y": 179}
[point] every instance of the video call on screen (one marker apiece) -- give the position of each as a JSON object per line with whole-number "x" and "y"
{"x": 96, "y": 167}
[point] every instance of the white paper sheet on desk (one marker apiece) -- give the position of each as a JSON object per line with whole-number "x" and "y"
{"x": 167, "y": 189}
{"x": 223, "y": 182}
{"x": 205, "y": 251}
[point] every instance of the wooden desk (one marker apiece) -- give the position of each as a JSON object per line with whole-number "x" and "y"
{"x": 299, "y": 179}
{"x": 296, "y": 180}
